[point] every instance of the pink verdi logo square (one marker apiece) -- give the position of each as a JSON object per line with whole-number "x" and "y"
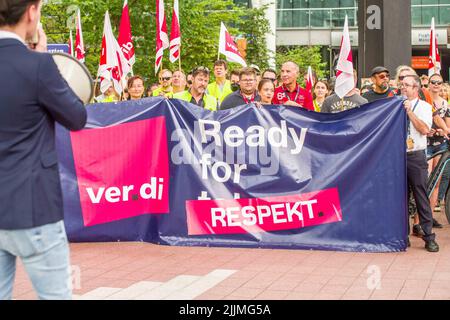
{"x": 122, "y": 171}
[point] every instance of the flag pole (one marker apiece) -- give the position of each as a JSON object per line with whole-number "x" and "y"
{"x": 95, "y": 87}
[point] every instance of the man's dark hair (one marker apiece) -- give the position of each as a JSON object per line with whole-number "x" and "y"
{"x": 269, "y": 70}
{"x": 221, "y": 62}
{"x": 11, "y": 11}
{"x": 235, "y": 72}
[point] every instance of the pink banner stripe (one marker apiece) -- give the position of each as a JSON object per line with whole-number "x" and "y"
{"x": 257, "y": 215}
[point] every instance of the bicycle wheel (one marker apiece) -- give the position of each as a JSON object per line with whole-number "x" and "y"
{"x": 447, "y": 204}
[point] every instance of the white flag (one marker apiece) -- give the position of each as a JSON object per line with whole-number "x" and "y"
{"x": 345, "y": 81}
{"x": 228, "y": 47}
{"x": 113, "y": 65}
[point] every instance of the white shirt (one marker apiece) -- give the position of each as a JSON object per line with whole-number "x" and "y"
{"x": 10, "y": 35}
{"x": 424, "y": 112}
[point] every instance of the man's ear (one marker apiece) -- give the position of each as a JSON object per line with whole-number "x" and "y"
{"x": 32, "y": 12}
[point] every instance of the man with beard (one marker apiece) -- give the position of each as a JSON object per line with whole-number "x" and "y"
{"x": 234, "y": 79}
{"x": 381, "y": 88}
{"x": 247, "y": 92}
{"x": 197, "y": 93}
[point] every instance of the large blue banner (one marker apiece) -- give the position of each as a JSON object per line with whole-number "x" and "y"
{"x": 168, "y": 172}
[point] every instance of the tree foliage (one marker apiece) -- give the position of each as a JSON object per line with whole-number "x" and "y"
{"x": 304, "y": 57}
{"x": 200, "y": 26}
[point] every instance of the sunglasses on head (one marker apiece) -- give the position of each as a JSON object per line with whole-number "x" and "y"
{"x": 200, "y": 68}
{"x": 436, "y": 82}
{"x": 165, "y": 78}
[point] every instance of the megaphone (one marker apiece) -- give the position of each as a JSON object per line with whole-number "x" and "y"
{"x": 76, "y": 74}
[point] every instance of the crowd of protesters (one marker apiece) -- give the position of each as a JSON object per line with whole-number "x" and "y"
{"x": 427, "y": 132}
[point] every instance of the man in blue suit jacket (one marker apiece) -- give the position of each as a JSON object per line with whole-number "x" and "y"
{"x": 33, "y": 95}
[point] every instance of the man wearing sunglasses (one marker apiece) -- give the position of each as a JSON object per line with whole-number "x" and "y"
{"x": 165, "y": 85}
{"x": 381, "y": 89}
{"x": 420, "y": 118}
{"x": 271, "y": 75}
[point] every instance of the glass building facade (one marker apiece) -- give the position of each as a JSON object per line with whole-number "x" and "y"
{"x": 330, "y": 14}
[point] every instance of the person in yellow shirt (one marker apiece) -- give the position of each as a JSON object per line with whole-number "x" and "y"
{"x": 220, "y": 88}
{"x": 321, "y": 91}
{"x": 110, "y": 95}
{"x": 197, "y": 93}
{"x": 165, "y": 84}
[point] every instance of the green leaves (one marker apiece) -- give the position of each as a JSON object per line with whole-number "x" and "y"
{"x": 304, "y": 57}
{"x": 200, "y": 27}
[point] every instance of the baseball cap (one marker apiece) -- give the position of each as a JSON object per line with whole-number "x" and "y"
{"x": 378, "y": 70}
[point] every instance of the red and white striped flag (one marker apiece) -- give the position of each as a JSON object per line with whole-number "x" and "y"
{"x": 162, "y": 41}
{"x": 113, "y": 65}
{"x": 309, "y": 80}
{"x": 79, "y": 43}
{"x": 71, "y": 44}
{"x": 434, "y": 65}
{"x": 228, "y": 47}
{"x": 125, "y": 38}
{"x": 345, "y": 81}
{"x": 175, "y": 34}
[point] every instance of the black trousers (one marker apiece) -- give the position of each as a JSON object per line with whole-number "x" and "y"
{"x": 417, "y": 180}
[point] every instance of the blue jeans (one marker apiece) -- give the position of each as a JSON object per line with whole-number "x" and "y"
{"x": 44, "y": 252}
{"x": 434, "y": 149}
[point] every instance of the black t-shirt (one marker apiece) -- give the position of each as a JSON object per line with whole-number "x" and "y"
{"x": 236, "y": 99}
{"x": 372, "y": 96}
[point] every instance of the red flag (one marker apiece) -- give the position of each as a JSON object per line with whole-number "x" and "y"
{"x": 162, "y": 41}
{"x": 434, "y": 65}
{"x": 309, "y": 80}
{"x": 175, "y": 34}
{"x": 113, "y": 65}
{"x": 79, "y": 44}
{"x": 125, "y": 37}
{"x": 228, "y": 47}
{"x": 345, "y": 81}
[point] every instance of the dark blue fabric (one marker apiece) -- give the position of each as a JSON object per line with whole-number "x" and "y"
{"x": 33, "y": 96}
{"x": 361, "y": 152}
